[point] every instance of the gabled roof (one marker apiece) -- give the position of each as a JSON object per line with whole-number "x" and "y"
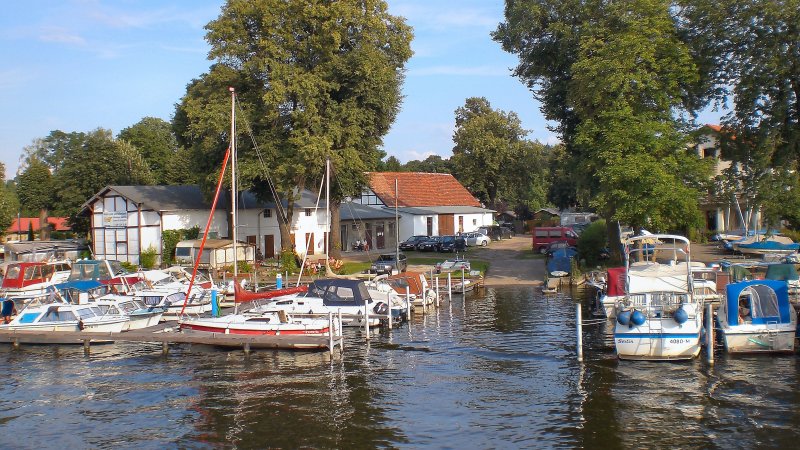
{"x": 420, "y": 189}
{"x": 22, "y": 224}
{"x": 190, "y": 197}
{"x": 357, "y": 211}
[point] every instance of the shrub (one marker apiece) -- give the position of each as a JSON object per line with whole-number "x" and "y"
{"x": 148, "y": 258}
{"x": 288, "y": 261}
{"x": 592, "y": 241}
{"x": 130, "y": 267}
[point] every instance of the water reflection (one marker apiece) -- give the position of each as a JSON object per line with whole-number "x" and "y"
{"x": 496, "y": 370}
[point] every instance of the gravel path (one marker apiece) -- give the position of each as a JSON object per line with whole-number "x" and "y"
{"x": 511, "y": 262}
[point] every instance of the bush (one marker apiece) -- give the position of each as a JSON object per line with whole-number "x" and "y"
{"x": 148, "y": 258}
{"x": 288, "y": 261}
{"x": 592, "y": 241}
{"x": 130, "y": 267}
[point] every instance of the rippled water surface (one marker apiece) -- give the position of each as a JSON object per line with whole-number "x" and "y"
{"x": 493, "y": 371}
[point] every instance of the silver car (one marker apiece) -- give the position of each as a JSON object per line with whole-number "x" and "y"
{"x": 475, "y": 239}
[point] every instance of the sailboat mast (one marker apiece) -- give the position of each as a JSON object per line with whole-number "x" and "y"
{"x": 396, "y": 229}
{"x": 233, "y": 182}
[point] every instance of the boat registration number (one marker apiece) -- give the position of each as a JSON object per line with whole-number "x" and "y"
{"x": 624, "y": 341}
{"x": 680, "y": 341}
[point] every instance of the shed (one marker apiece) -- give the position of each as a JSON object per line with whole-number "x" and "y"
{"x": 217, "y": 253}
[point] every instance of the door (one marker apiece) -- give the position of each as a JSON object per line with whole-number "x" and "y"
{"x": 446, "y": 224}
{"x": 460, "y": 224}
{"x": 430, "y": 226}
{"x": 310, "y": 243}
{"x": 343, "y": 236}
{"x": 381, "y": 239}
{"x": 269, "y": 246}
{"x": 368, "y": 236}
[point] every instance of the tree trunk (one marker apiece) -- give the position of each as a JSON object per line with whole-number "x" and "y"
{"x": 334, "y": 237}
{"x": 614, "y": 240}
{"x": 44, "y": 225}
{"x": 285, "y": 225}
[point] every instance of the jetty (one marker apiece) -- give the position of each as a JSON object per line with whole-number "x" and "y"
{"x": 167, "y": 334}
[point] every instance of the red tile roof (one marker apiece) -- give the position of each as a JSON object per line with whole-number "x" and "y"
{"x": 59, "y": 224}
{"x": 420, "y": 189}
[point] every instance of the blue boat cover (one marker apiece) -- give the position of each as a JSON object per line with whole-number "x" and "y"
{"x": 761, "y": 313}
{"x": 80, "y": 285}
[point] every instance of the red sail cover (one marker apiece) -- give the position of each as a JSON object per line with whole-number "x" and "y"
{"x": 242, "y": 296}
{"x": 615, "y": 282}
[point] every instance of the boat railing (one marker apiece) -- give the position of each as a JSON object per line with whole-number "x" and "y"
{"x": 657, "y": 302}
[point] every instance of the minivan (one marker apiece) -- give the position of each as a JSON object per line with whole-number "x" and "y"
{"x": 542, "y": 236}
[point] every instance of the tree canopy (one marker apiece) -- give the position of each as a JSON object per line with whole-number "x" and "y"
{"x": 315, "y": 79}
{"x": 156, "y": 143}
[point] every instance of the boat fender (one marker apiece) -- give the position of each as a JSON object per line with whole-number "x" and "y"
{"x": 680, "y": 316}
{"x": 381, "y": 308}
{"x": 624, "y": 318}
{"x": 637, "y": 318}
{"x": 81, "y": 326}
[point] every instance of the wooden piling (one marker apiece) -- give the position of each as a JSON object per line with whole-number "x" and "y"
{"x": 579, "y": 331}
{"x": 710, "y": 332}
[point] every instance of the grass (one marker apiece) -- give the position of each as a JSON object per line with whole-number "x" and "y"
{"x": 352, "y": 267}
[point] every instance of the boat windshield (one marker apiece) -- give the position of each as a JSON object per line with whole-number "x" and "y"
{"x": 54, "y": 315}
{"x": 763, "y": 301}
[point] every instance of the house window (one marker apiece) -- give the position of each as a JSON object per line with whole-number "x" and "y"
{"x": 308, "y": 212}
{"x": 474, "y": 221}
{"x": 267, "y": 213}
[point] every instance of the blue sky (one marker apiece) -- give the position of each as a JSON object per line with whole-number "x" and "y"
{"x": 76, "y": 65}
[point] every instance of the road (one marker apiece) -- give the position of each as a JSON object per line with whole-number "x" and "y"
{"x": 511, "y": 262}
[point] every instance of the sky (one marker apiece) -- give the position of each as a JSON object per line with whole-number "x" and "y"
{"x": 78, "y": 65}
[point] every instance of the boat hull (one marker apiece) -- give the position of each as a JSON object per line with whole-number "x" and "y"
{"x": 139, "y": 321}
{"x": 243, "y": 325}
{"x": 659, "y": 339}
{"x": 759, "y": 340}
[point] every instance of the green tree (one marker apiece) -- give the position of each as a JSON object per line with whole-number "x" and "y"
{"x": 747, "y": 50}
{"x": 392, "y": 164}
{"x": 155, "y": 141}
{"x": 98, "y": 161}
{"x": 431, "y": 164}
{"x": 9, "y": 205}
{"x": 315, "y": 79}
{"x": 35, "y": 189}
{"x": 618, "y": 81}
{"x": 489, "y": 144}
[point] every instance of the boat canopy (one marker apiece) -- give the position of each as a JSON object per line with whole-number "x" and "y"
{"x": 654, "y": 277}
{"x": 769, "y": 301}
{"x": 340, "y": 291}
{"x": 615, "y": 282}
{"x": 412, "y": 280}
{"x": 785, "y": 272}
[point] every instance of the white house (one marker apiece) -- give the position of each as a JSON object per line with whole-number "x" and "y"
{"x": 432, "y": 204}
{"x": 126, "y": 220}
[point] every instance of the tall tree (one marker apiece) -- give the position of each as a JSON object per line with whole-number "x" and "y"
{"x": 431, "y": 164}
{"x": 489, "y": 145}
{"x": 316, "y": 79}
{"x": 749, "y": 51}
{"x": 35, "y": 189}
{"x": 98, "y": 161}
{"x": 616, "y": 78}
{"x": 9, "y": 206}
{"x": 155, "y": 141}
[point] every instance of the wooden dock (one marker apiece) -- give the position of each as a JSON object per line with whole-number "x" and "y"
{"x": 167, "y": 333}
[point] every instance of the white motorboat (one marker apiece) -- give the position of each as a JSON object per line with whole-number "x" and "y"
{"x": 139, "y": 316}
{"x": 419, "y": 292}
{"x": 756, "y": 317}
{"x": 172, "y": 301}
{"x": 324, "y": 296}
{"x": 659, "y": 317}
{"x": 267, "y": 323}
{"x": 52, "y": 314}
{"x": 30, "y": 278}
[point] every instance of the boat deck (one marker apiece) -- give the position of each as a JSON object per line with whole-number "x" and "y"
{"x": 167, "y": 333}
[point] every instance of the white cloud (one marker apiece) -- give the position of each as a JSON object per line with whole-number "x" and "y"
{"x": 61, "y": 36}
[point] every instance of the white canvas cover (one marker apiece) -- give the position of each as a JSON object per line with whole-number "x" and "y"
{"x": 655, "y": 277}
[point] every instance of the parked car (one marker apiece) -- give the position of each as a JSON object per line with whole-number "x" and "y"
{"x": 452, "y": 244}
{"x": 543, "y": 236}
{"x": 429, "y": 245}
{"x": 476, "y": 238}
{"x": 411, "y": 243}
{"x": 389, "y": 262}
{"x": 496, "y": 232}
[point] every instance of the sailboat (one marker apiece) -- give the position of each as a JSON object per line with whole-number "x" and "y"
{"x": 267, "y": 322}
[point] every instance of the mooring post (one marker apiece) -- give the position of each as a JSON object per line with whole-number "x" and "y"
{"x": 463, "y": 288}
{"x": 340, "y": 331}
{"x": 330, "y": 333}
{"x": 710, "y": 332}
{"x": 366, "y": 321}
{"x": 15, "y": 344}
{"x": 437, "y": 292}
{"x": 165, "y": 348}
{"x": 449, "y": 288}
{"x": 408, "y": 299}
{"x": 86, "y": 345}
{"x": 247, "y": 348}
{"x": 579, "y": 331}
{"x": 389, "y": 312}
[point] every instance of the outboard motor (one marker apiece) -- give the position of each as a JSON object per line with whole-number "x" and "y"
{"x": 381, "y": 308}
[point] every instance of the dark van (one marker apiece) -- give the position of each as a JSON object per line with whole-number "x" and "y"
{"x": 543, "y": 236}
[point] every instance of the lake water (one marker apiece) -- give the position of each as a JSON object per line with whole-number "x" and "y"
{"x": 483, "y": 372}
